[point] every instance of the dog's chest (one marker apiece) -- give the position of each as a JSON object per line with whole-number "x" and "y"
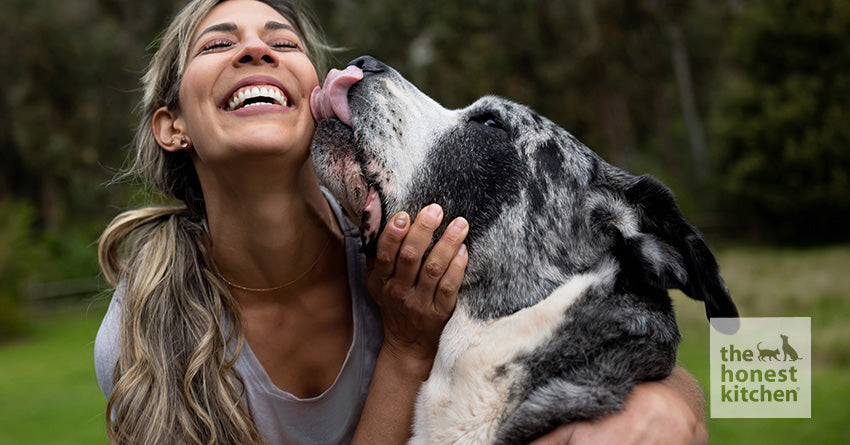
{"x": 469, "y": 380}
{"x": 477, "y": 365}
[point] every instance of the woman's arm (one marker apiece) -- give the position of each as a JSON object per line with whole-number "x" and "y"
{"x": 416, "y": 299}
{"x": 669, "y": 411}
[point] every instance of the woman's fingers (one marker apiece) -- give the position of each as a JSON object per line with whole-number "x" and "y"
{"x": 417, "y": 296}
{"x": 400, "y": 272}
{"x": 437, "y": 277}
{"x": 449, "y": 286}
{"x": 415, "y": 244}
{"x": 388, "y": 246}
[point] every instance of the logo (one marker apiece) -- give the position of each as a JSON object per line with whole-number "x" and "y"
{"x": 761, "y": 367}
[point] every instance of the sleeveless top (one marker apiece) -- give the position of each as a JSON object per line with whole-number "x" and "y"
{"x": 280, "y": 417}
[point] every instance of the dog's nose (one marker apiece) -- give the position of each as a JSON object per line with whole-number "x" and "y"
{"x": 368, "y": 64}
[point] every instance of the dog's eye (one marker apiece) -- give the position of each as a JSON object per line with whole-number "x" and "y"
{"x": 488, "y": 120}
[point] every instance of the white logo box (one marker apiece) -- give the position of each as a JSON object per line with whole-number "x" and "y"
{"x": 762, "y": 369}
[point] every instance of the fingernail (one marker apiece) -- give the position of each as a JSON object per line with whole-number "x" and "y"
{"x": 463, "y": 251}
{"x": 435, "y": 211}
{"x": 400, "y": 220}
{"x": 460, "y": 223}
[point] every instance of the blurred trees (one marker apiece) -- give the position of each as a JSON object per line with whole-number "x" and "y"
{"x": 69, "y": 75}
{"x": 69, "y": 72}
{"x": 782, "y": 120}
{"x": 739, "y": 105}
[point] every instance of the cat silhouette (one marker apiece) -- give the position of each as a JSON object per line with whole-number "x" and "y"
{"x": 772, "y": 354}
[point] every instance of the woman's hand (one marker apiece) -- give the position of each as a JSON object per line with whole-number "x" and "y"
{"x": 417, "y": 296}
{"x": 669, "y": 412}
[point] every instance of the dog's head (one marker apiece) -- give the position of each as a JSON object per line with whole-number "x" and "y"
{"x": 538, "y": 201}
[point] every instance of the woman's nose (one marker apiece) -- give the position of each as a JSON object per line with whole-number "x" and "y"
{"x": 255, "y": 51}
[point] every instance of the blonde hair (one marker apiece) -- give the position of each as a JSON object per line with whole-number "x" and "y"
{"x": 174, "y": 380}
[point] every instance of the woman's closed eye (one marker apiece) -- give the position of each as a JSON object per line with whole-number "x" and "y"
{"x": 285, "y": 45}
{"x": 223, "y": 44}
{"x": 215, "y": 45}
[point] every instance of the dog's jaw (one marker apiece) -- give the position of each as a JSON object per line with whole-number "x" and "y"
{"x": 354, "y": 161}
{"x": 334, "y": 154}
{"x": 336, "y": 158}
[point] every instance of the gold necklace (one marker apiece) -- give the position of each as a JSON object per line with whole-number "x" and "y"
{"x": 288, "y": 283}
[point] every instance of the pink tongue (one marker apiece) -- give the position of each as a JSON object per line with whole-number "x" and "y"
{"x": 372, "y": 213}
{"x": 332, "y": 100}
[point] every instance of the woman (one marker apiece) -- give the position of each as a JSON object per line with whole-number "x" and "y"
{"x": 242, "y": 316}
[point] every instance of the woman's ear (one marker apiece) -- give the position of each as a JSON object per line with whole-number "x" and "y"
{"x": 168, "y": 129}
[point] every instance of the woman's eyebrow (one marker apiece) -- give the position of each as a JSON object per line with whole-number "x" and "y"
{"x": 224, "y": 27}
{"x": 272, "y": 25}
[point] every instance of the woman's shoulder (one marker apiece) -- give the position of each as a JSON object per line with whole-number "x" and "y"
{"x": 107, "y": 343}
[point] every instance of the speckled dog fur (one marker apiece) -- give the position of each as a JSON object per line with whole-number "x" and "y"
{"x": 564, "y": 305}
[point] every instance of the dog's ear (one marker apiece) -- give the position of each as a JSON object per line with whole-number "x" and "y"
{"x": 672, "y": 252}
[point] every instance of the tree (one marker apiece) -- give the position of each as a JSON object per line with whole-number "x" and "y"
{"x": 783, "y": 121}
{"x": 69, "y": 72}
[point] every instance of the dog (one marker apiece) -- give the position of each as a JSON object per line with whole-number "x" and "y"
{"x": 787, "y": 350}
{"x": 564, "y": 305}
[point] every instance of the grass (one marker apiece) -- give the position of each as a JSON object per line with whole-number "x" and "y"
{"x": 48, "y": 390}
{"x": 49, "y": 394}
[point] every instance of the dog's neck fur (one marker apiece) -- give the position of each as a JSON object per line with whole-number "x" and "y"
{"x": 563, "y": 245}
{"x": 534, "y": 274}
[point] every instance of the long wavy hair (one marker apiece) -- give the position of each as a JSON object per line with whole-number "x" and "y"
{"x": 181, "y": 329}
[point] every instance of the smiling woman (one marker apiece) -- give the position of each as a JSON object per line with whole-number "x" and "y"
{"x": 204, "y": 339}
{"x": 244, "y": 315}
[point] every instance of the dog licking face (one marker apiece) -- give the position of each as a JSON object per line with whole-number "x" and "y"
{"x": 554, "y": 229}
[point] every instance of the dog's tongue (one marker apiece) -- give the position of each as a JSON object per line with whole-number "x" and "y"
{"x": 332, "y": 99}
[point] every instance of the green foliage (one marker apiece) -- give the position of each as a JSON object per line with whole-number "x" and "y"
{"x": 29, "y": 256}
{"x": 16, "y": 257}
{"x": 634, "y": 80}
{"x": 783, "y": 116}
{"x": 69, "y": 75}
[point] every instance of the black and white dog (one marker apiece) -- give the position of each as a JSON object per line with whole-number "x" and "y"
{"x": 564, "y": 304}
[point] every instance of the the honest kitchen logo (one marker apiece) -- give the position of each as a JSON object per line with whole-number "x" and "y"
{"x": 762, "y": 369}
{"x": 749, "y": 384}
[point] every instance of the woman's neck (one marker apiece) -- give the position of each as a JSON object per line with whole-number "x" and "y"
{"x": 270, "y": 229}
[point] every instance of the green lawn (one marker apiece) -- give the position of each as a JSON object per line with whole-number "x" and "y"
{"x": 49, "y": 395}
{"x": 48, "y": 390}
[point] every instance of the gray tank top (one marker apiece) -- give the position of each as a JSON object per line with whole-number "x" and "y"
{"x": 280, "y": 417}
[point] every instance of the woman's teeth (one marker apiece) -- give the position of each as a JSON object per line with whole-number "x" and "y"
{"x": 257, "y": 95}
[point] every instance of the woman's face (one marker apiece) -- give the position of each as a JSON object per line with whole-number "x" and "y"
{"x": 247, "y": 84}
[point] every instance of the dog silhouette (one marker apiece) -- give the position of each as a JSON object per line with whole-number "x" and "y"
{"x": 788, "y": 350}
